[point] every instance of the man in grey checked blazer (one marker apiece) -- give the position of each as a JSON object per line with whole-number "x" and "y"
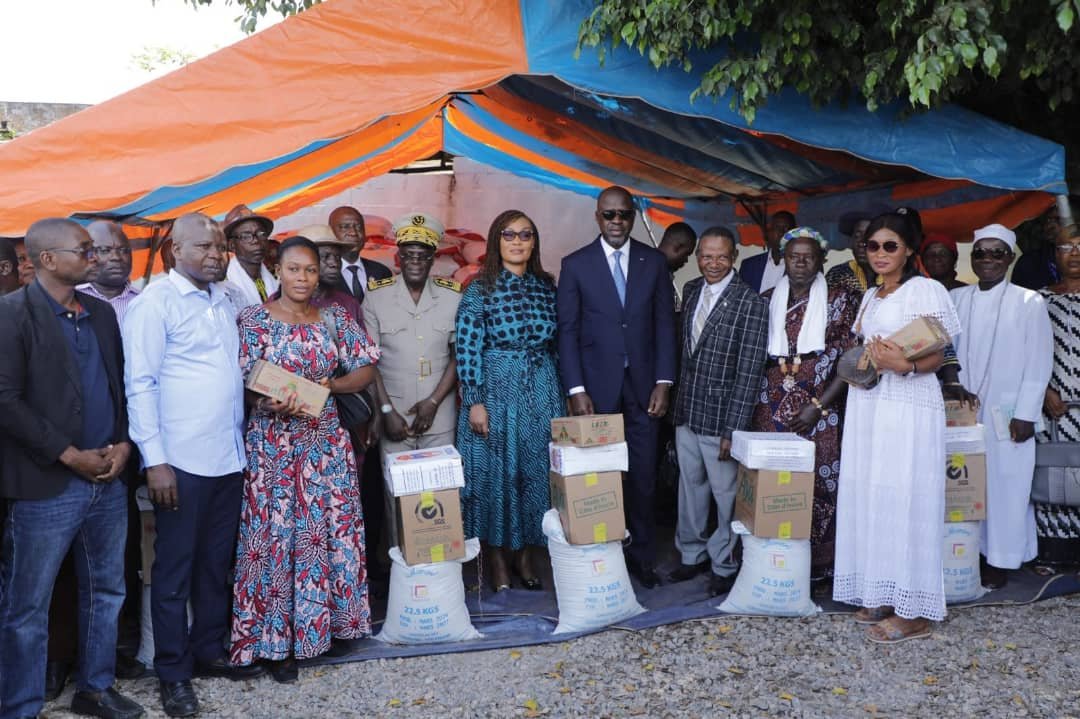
{"x": 725, "y": 327}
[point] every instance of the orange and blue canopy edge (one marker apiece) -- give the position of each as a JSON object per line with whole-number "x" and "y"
{"x": 353, "y": 88}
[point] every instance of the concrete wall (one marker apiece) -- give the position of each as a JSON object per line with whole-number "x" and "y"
{"x": 22, "y": 117}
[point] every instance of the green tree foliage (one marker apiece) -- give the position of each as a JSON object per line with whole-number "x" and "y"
{"x": 921, "y": 51}
{"x": 255, "y": 10}
{"x": 157, "y": 57}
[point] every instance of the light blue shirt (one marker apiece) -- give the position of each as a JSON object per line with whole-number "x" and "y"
{"x": 185, "y": 392}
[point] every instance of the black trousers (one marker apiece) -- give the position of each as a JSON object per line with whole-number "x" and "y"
{"x": 639, "y": 484}
{"x": 194, "y": 553}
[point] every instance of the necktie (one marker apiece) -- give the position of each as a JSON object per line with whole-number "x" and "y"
{"x": 620, "y": 278}
{"x": 702, "y": 316}
{"x": 357, "y": 290}
{"x": 260, "y": 286}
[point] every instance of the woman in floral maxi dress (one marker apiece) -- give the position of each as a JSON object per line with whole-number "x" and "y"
{"x": 301, "y": 577}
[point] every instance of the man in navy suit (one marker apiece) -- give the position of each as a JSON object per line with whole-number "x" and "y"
{"x": 763, "y": 271}
{"x": 616, "y": 312}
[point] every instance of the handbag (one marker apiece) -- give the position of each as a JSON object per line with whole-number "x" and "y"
{"x": 354, "y": 408}
{"x": 1057, "y": 469}
{"x": 855, "y": 366}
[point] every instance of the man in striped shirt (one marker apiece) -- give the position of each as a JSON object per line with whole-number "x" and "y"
{"x": 111, "y": 282}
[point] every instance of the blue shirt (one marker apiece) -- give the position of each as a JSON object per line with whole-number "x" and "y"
{"x": 182, "y": 374}
{"x": 98, "y": 410}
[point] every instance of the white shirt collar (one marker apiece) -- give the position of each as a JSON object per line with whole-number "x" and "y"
{"x": 609, "y": 250}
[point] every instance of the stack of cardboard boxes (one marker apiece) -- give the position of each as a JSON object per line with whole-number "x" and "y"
{"x": 588, "y": 456}
{"x": 965, "y": 465}
{"x": 774, "y": 498}
{"x": 425, "y": 484}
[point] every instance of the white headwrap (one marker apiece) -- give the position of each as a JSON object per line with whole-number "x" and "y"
{"x": 812, "y": 333}
{"x": 997, "y": 232}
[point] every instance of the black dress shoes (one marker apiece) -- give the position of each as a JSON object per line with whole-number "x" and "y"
{"x": 128, "y": 667}
{"x": 689, "y": 571}
{"x": 284, "y": 671}
{"x": 644, "y": 573}
{"x": 720, "y": 585}
{"x": 56, "y": 676}
{"x": 109, "y": 704}
{"x": 220, "y": 668}
{"x": 992, "y": 577}
{"x": 178, "y": 699}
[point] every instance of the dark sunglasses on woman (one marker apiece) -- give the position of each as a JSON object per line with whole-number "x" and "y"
{"x": 890, "y": 246}
{"x": 997, "y": 253}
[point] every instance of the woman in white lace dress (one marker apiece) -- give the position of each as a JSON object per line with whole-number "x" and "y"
{"x": 891, "y": 499}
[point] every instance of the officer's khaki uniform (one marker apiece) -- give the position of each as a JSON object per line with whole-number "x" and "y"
{"x": 416, "y": 339}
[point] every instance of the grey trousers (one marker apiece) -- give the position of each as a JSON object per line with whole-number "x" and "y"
{"x": 703, "y": 477}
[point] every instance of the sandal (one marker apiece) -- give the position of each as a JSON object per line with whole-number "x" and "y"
{"x": 887, "y": 631}
{"x": 872, "y": 615}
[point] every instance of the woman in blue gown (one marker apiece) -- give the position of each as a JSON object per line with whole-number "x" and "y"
{"x": 509, "y": 377}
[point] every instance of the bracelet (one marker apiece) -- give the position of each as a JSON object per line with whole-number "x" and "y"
{"x": 951, "y": 384}
{"x": 824, "y": 412}
{"x": 433, "y": 401}
{"x": 914, "y": 369}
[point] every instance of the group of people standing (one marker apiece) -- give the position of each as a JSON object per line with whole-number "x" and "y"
{"x": 265, "y": 510}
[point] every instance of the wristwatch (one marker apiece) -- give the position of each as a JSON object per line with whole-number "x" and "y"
{"x": 386, "y": 408}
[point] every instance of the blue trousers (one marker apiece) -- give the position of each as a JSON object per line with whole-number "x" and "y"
{"x": 90, "y": 519}
{"x": 192, "y": 556}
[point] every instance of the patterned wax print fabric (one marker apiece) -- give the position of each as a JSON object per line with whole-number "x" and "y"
{"x": 1064, "y": 312}
{"x": 891, "y": 496}
{"x": 301, "y": 576}
{"x": 506, "y": 360}
{"x": 785, "y": 392}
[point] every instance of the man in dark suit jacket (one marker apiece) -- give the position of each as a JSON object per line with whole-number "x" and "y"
{"x": 763, "y": 271}
{"x": 725, "y": 335}
{"x": 617, "y": 352}
{"x": 348, "y": 226}
{"x": 64, "y": 439}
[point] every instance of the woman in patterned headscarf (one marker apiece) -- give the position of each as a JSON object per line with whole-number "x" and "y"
{"x": 809, "y": 328}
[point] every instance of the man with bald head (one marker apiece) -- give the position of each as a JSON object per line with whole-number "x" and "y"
{"x": 110, "y": 280}
{"x": 64, "y": 444}
{"x": 9, "y": 267}
{"x": 348, "y": 226}
{"x": 617, "y": 352}
{"x": 186, "y": 399}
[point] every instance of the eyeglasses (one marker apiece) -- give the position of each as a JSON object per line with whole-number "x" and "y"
{"x": 249, "y": 236}
{"x": 87, "y": 253}
{"x": 889, "y": 246}
{"x": 625, "y": 215}
{"x": 1066, "y": 249}
{"x": 524, "y": 235}
{"x": 998, "y": 253}
{"x": 120, "y": 252}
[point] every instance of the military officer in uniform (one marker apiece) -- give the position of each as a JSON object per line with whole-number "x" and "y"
{"x": 412, "y": 319}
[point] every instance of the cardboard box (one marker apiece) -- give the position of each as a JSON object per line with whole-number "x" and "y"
{"x": 773, "y": 450}
{"x": 965, "y": 487}
{"x": 921, "y": 337}
{"x": 960, "y": 414}
{"x": 775, "y": 504}
{"x": 274, "y": 382}
{"x": 965, "y": 440}
{"x": 588, "y": 430}
{"x": 423, "y": 470}
{"x": 567, "y": 459}
{"x": 429, "y": 526}
{"x": 590, "y": 506}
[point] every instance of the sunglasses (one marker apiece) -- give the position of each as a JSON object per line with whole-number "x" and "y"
{"x": 525, "y": 235}
{"x": 889, "y": 246}
{"x": 625, "y": 215}
{"x": 997, "y": 253}
{"x": 1067, "y": 249}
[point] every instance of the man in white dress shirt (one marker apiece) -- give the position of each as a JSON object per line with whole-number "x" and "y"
{"x": 186, "y": 403}
{"x": 1006, "y": 355}
{"x": 248, "y": 234}
{"x": 348, "y": 226}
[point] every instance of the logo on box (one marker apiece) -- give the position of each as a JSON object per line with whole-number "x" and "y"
{"x": 430, "y": 512}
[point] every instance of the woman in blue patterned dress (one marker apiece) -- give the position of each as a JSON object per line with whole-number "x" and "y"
{"x": 301, "y": 580}
{"x": 506, "y": 362}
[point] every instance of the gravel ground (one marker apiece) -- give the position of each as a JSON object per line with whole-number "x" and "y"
{"x": 987, "y": 661}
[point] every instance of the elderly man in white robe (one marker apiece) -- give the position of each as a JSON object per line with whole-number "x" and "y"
{"x": 1006, "y": 354}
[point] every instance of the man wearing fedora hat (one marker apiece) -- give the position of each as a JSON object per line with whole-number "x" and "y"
{"x": 247, "y": 234}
